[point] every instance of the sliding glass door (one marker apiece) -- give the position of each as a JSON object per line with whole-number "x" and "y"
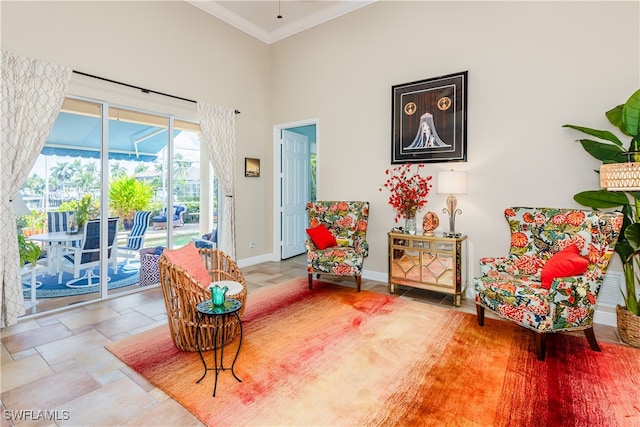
{"x": 119, "y": 184}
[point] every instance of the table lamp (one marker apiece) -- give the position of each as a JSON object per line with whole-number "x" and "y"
{"x": 20, "y": 208}
{"x": 452, "y": 182}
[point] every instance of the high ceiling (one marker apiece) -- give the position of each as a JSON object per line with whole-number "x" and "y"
{"x": 260, "y": 18}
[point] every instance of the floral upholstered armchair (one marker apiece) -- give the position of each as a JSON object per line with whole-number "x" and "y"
{"x": 550, "y": 280}
{"x": 337, "y": 243}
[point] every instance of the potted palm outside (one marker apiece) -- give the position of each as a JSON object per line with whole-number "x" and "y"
{"x": 128, "y": 195}
{"x": 610, "y": 150}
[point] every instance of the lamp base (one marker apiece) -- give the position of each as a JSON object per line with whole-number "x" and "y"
{"x": 452, "y": 235}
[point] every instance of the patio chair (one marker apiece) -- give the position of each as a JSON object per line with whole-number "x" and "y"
{"x": 58, "y": 221}
{"x": 160, "y": 221}
{"x": 135, "y": 239}
{"x": 87, "y": 256}
{"x": 208, "y": 240}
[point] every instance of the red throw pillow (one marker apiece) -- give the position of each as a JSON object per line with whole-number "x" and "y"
{"x": 189, "y": 258}
{"x": 565, "y": 263}
{"x": 321, "y": 237}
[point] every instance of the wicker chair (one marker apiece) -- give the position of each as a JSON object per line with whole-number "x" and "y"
{"x": 182, "y": 293}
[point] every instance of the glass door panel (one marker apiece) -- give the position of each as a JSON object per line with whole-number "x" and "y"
{"x": 63, "y": 191}
{"x": 186, "y": 172}
{"x": 138, "y": 143}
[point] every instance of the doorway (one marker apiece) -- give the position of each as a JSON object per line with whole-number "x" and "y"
{"x": 295, "y": 177}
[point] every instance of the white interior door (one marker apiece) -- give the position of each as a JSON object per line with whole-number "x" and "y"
{"x": 295, "y": 192}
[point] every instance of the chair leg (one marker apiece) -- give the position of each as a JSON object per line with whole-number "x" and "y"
{"x": 358, "y": 282}
{"x": 480, "y": 314}
{"x": 541, "y": 345}
{"x": 591, "y": 337}
{"x": 310, "y": 281}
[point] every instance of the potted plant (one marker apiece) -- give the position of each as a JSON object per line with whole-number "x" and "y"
{"x": 128, "y": 195}
{"x": 610, "y": 149}
{"x": 84, "y": 209}
{"x": 34, "y": 223}
{"x": 29, "y": 251}
{"x": 409, "y": 191}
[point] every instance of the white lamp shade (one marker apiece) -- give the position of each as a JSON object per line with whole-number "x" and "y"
{"x": 452, "y": 182}
{"x": 20, "y": 208}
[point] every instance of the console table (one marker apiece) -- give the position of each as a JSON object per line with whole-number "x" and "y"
{"x": 433, "y": 263}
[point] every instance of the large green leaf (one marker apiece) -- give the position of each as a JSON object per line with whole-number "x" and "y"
{"x": 632, "y": 233}
{"x": 601, "y": 199}
{"x": 607, "y": 153}
{"x": 631, "y": 115}
{"x": 615, "y": 116}
{"x": 602, "y": 134}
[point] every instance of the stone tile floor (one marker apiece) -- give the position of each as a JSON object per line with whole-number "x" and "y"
{"x": 57, "y": 362}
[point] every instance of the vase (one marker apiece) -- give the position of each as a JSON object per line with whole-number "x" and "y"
{"x": 218, "y": 295}
{"x": 410, "y": 221}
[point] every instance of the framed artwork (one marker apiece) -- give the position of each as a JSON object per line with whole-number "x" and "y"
{"x": 429, "y": 120}
{"x": 251, "y": 167}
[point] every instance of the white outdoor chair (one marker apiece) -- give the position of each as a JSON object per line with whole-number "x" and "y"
{"x": 135, "y": 239}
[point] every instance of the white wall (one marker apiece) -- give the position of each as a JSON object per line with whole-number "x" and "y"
{"x": 170, "y": 47}
{"x": 533, "y": 66}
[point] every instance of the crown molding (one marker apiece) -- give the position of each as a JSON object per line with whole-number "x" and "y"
{"x": 215, "y": 9}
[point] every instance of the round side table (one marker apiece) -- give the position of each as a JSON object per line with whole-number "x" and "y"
{"x": 221, "y": 315}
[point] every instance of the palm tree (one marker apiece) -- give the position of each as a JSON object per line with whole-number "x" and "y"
{"x": 87, "y": 178}
{"x": 180, "y": 166}
{"x": 61, "y": 172}
{"x": 117, "y": 170}
{"x": 142, "y": 167}
{"x": 35, "y": 183}
{"x": 75, "y": 166}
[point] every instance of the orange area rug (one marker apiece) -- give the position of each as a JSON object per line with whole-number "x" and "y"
{"x": 333, "y": 357}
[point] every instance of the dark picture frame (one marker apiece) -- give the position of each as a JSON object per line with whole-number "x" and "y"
{"x": 251, "y": 167}
{"x": 429, "y": 120}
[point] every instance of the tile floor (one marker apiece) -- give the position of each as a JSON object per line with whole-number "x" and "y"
{"x": 57, "y": 362}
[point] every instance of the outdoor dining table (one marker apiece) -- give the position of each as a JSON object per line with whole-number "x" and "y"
{"x": 56, "y": 242}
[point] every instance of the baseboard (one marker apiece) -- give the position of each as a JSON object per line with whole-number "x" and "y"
{"x": 605, "y": 315}
{"x": 254, "y": 260}
{"x": 375, "y": 275}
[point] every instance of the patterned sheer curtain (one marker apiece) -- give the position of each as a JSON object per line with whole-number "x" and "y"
{"x": 218, "y": 132}
{"x": 32, "y": 95}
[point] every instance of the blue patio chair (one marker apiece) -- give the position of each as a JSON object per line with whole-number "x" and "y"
{"x": 160, "y": 221}
{"x": 58, "y": 221}
{"x": 87, "y": 257}
{"x": 135, "y": 239}
{"x": 208, "y": 240}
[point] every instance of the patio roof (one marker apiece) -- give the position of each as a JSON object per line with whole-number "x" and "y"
{"x": 78, "y": 135}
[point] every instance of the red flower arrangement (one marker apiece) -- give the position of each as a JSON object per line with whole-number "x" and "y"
{"x": 409, "y": 189}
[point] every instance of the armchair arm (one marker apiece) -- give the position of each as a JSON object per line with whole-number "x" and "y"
{"x": 361, "y": 246}
{"x": 310, "y": 246}
{"x": 491, "y": 266}
{"x": 572, "y": 301}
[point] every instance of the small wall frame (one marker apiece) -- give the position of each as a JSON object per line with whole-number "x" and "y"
{"x": 251, "y": 167}
{"x": 429, "y": 120}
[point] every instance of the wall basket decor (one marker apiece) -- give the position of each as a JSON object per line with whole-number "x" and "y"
{"x": 429, "y": 120}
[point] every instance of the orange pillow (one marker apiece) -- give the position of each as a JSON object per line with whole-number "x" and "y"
{"x": 189, "y": 258}
{"x": 322, "y": 237}
{"x": 565, "y": 263}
